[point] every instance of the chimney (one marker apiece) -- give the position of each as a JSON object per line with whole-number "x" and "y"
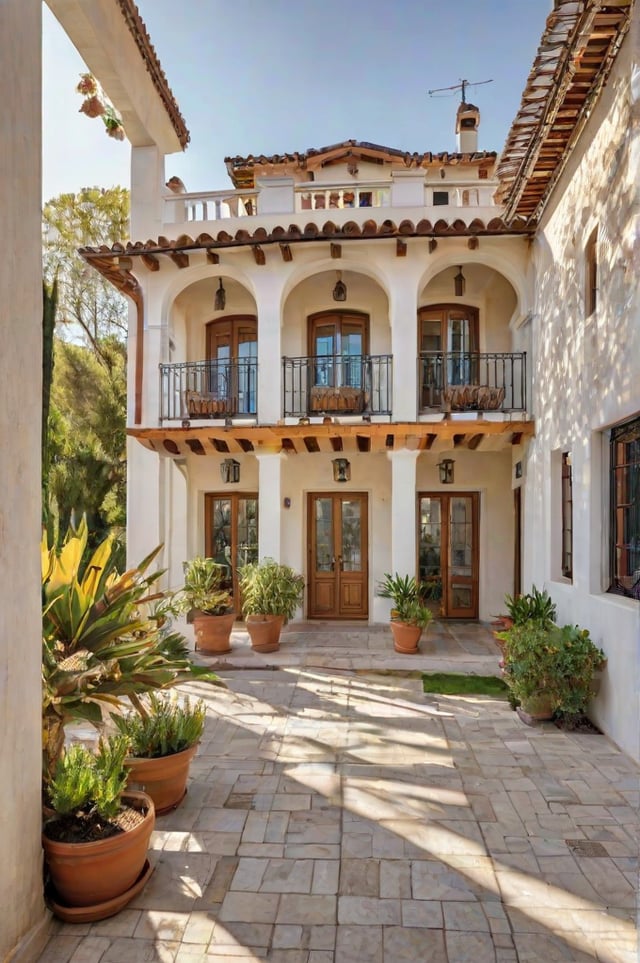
{"x": 467, "y": 123}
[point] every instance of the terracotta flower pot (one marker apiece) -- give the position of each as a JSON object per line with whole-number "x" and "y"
{"x": 539, "y": 707}
{"x": 163, "y": 778}
{"x": 86, "y": 874}
{"x": 213, "y": 632}
{"x": 264, "y": 631}
{"x": 405, "y": 637}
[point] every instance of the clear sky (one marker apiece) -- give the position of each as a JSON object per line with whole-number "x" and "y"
{"x": 271, "y": 76}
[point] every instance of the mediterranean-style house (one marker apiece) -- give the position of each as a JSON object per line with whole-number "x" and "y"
{"x": 361, "y": 360}
{"x": 356, "y": 360}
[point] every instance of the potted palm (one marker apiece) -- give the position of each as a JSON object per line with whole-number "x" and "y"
{"x": 162, "y": 735}
{"x": 209, "y": 604}
{"x": 271, "y": 592}
{"x": 104, "y": 637}
{"x": 409, "y": 613}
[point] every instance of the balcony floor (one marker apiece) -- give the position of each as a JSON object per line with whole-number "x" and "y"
{"x": 339, "y": 814}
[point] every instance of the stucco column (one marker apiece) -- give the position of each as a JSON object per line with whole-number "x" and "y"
{"x": 147, "y": 193}
{"x": 403, "y": 511}
{"x": 403, "y": 315}
{"x": 23, "y": 917}
{"x": 268, "y": 294}
{"x": 269, "y": 500}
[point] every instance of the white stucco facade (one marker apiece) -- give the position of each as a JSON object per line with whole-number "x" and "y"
{"x": 587, "y": 379}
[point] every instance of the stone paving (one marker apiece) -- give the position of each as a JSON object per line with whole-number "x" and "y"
{"x": 339, "y": 814}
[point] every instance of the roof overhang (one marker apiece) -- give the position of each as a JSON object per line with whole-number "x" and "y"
{"x": 578, "y": 47}
{"x": 116, "y": 263}
{"x": 113, "y": 41}
{"x": 336, "y": 436}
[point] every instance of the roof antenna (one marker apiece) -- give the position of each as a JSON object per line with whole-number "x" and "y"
{"x": 462, "y": 87}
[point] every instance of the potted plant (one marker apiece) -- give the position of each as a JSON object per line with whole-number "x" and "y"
{"x": 209, "y": 604}
{"x": 104, "y": 636}
{"x": 550, "y": 669}
{"x": 409, "y": 613}
{"x": 535, "y": 606}
{"x": 271, "y": 592}
{"x": 162, "y": 735}
{"x": 96, "y": 834}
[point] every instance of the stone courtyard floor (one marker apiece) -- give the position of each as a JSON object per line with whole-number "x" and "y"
{"x": 336, "y": 813}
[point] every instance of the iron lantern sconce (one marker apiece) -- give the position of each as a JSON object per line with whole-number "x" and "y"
{"x": 340, "y": 289}
{"x": 459, "y": 283}
{"x": 230, "y": 470}
{"x": 341, "y": 470}
{"x": 445, "y": 467}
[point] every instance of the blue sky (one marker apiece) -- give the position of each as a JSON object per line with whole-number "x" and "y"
{"x": 269, "y": 76}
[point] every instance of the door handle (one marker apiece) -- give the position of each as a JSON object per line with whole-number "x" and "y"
{"x": 340, "y": 563}
{"x": 333, "y": 564}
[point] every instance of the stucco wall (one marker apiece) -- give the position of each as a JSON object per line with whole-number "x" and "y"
{"x": 586, "y": 378}
{"x": 22, "y": 918}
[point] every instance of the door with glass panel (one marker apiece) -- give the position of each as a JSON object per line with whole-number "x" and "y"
{"x": 448, "y": 553}
{"x": 232, "y": 353}
{"x": 337, "y": 548}
{"x": 448, "y": 346}
{"x": 338, "y": 343}
{"x": 231, "y": 534}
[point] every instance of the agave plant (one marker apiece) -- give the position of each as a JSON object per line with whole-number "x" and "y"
{"x": 104, "y": 636}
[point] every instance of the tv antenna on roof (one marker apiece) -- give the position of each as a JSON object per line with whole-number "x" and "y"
{"x": 462, "y": 86}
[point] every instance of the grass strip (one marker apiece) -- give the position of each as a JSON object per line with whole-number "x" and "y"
{"x": 452, "y": 683}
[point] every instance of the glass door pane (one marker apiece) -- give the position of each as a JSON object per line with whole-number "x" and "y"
{"x": 351, "y": 351}
{"x": 247, "y": 540}
{"x": 461, "y": 535}
{"x": 324, "y": 350}
{"x": 324, "y": 547}
{"x": 430, "y": 551}
{"x": 351, "y": 536}
{"x": 221, "y": 536}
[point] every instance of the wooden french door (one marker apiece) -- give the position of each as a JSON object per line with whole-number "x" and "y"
{"x": 448, "y": 558}
{"x": 231, "y": 533}
{"x": 448, "y": 344}
{"x": 338, "y": 548}
{"x": 232, "y": 350}
{"x": 338, "y": 343}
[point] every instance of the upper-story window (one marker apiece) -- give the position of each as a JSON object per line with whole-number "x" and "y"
{"x": 591, "y": 274}
{"x": 625, "y": 509}
{"x": 470, "y": 197}
{"x": 440, "y": 197}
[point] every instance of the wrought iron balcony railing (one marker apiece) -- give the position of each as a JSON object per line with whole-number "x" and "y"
{"x": 469, "y": 381}
{"x": 208, "y": 389}
{"x": 337, "y": 385}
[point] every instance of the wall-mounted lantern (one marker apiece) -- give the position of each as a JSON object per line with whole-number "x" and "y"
{"x": 341, "y": 470}
{"x": 230, "y": 470}
{"x": 445, "y": 467}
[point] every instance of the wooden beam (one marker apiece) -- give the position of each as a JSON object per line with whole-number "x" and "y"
{"x": 474, "y": 441}
{"x": 179, "y": 258}
{"x": 287, "y": 253}
{"x": 212, "y": 257}
{"x": 516, "y": 438}
{"x": 401, "y": 248}
{"x": 150, "y": 261}
{"x": 336, "y": 250}
{"x": 336, "y": 444}
{"x": 258, "y": 255}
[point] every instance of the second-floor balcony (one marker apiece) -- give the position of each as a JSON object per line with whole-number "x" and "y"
{"x": 335, "y": 385}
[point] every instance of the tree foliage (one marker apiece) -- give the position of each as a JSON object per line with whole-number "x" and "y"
{"x": 85, "y": 468}
{"x": 90, "y": 308}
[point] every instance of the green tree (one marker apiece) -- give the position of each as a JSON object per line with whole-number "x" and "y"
{"x": 89, "y": 307}
{"x": 87, "y": 441}
{"x": 85, "y": 444}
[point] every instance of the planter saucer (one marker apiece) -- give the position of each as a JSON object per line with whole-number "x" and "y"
{"x": 169, "y": 809}
{"x": 99, "y": 911}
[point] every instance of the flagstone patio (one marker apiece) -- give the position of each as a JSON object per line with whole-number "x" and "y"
{"x": 336, "y": 813}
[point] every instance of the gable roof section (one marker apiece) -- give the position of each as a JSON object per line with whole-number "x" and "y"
{"x": 578, "y": 47}
{"x": 242, "y": 170}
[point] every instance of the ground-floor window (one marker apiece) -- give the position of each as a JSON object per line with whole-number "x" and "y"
{"x": 567, "y": 516}
{"x": 625, "y": 509}
{"x": 231, "y": 532}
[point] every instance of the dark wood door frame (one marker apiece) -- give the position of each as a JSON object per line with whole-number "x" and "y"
{"x": 336, "y": 591}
